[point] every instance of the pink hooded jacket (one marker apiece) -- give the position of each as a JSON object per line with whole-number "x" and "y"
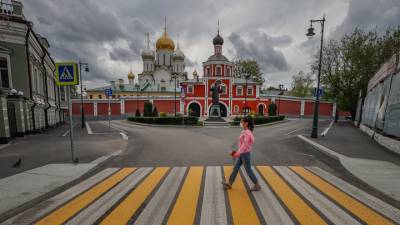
{"x": 246, "y": 140}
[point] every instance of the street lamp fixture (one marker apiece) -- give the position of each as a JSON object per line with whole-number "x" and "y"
{"x": 281, "y": 86}
{"x": 81, "y": 84}
{"x": 310, "y": 33}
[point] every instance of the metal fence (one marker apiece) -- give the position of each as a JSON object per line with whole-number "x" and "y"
{"x": 381, "y": 109}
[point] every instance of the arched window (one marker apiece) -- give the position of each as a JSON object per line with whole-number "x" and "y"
{"x": 163, "y": 59}
{"x": 236, "y": 108}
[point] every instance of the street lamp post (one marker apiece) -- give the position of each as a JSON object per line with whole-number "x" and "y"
{"x": 279, "y": 96}
{"x": 81, "y": 84}
{"x": 137, "y": 86}
{"x": 310, "y": 33}
{"x": 247, "y": 77}
{"x": 175, "y": 94}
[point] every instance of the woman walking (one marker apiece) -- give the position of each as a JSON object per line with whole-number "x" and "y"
{"x": 246, "y": 141}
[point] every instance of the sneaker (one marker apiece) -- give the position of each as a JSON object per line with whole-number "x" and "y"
{"x": 226, "y": 185}
{"x": 256, "y": 187}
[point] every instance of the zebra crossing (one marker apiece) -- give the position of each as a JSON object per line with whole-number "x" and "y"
{"x": 194, "y": 195}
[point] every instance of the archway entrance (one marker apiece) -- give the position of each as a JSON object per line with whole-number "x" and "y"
{"x": 224, "y": 111}
{"x": 261, "y": 109}
{"x": 194, "y": 109}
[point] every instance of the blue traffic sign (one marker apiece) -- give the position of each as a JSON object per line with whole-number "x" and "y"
{"x": 108, "y": 92}
{"x": 67, "y": 73}
{"x": 320, "y": 92}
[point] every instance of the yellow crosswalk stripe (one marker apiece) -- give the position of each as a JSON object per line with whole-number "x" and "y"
{"x": 242, "y": 208}
{"x": 125, "y": 210}
{"x": 184, "y": 210}
{"x": 303, "y": 212}
{"x": 357, "y": 208}
{"x": 62, "y": 214}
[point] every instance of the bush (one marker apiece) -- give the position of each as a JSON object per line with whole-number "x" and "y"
{"x": 166, "y": 120}
{"x": 259, "y": 119}
{"x": 155, "y": 112}
{"x": 163, "y": 114}
{"x": 137, "y": 114}
{"x": 148, "y": 109}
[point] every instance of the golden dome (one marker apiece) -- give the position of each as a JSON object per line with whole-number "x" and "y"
{"x": 165, "y": 43}
{"x": 131, "y": 75}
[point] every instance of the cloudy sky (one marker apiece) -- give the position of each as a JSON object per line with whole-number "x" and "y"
{"x": 110, "y": 35}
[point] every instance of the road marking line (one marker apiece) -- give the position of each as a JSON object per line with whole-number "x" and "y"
{"x": 270, "y": 208}
{"x": 304, "y": 213}
{"x": 357, "y": 208}
{"x": 242, "y": 208}
{"x": 372, "y": 201}
{"x": 71, "y": 208}
{"x": 291, "y": 132}
{"x": 92, "y": 213}
{"x": 327, "y": 129}
{"x": 334, "y": 213}
{"x": 156, "y": 210}
{"x": 88, "y": 128}
{"x": 184, "y": 210}
{"x": 45, "y": 207}
{"x": 124, "y": 136}
{"x": 213, "y": 210}
{"x": 67, "y": 131}
{"x": 127, "y": 208}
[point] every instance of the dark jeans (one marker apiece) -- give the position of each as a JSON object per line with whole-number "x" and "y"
{"x": 243, "y": 159}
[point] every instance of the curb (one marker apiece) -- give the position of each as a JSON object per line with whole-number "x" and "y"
{"x": 155, "y": 125}
{"x": 322, "y": 148}
{"x": 266, "y": 124}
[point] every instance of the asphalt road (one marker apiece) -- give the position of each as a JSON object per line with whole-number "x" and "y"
{"x": 167, "y": 146}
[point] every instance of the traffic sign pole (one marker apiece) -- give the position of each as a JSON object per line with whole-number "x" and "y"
{"x": 71, "y": 131}
{"x": 109, "y": 113}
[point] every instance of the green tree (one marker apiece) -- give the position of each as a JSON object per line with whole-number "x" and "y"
{"x": 155, "y": 112}
{"x": 250, "y": 67}
{"x": 349, "y": 63}
{"x": 302, "y": 85}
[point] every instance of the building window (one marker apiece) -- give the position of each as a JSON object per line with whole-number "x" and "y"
{"x": 100, "y": 96}
{"x": 163, "y": 89}
{"x": 239, "y": 90}
{"x": 190, "y": 89}
{"x": 228, "y": 72}
{"x": 163, "y": 59}
{"x": 218, "y": 73}
{"x": 4, "y": 81}
{"x": 250, "y": 90}
{"x": 236, "y": 108}
{"x": 91, "y": 96}
{"x": 208, "y": 71}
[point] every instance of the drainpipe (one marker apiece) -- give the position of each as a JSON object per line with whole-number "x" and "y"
{"x": 46, "y": 89}
{"x": 30, "y": 75}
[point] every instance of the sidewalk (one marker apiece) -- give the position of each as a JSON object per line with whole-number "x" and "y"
{"x": 46, "y": 161}
{"x": 362, "y": 157}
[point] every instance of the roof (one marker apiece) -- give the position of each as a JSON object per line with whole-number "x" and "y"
{"x": 217, "y": 57}
{"x": 132, "y": 88}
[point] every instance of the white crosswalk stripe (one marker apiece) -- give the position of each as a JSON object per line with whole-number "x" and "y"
{"x": 161, "y": 188}
{"x": 155, "y": 211}
{"x": 328, "y": 208}
{"x": 213, "y": 210}
{"x": 373, "y": 202}
{"x": 270, "y": 207}
{"x": 103, "y": 204}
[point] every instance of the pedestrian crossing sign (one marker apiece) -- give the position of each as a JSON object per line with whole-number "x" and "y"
{"x": 66, "y": 73}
